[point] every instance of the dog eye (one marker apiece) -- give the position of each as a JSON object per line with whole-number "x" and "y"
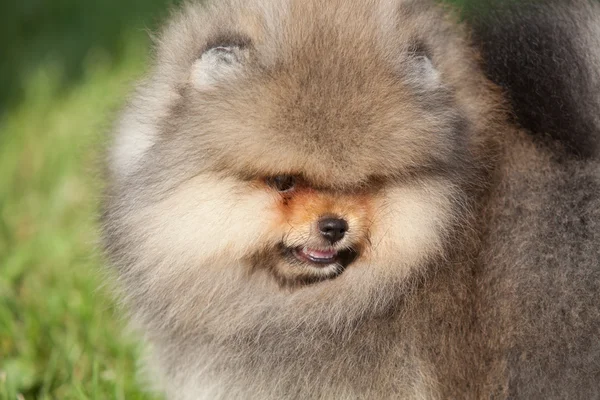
{"x": 282, "y": 183}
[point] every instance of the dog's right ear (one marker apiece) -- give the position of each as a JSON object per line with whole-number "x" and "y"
{"x": 220, "y": 62}
{"x": 420, "y": 69}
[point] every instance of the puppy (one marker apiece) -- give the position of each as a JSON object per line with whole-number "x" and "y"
{"x": 328, "y": 200}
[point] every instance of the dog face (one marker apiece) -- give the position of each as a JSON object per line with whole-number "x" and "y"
{"x": 293, "y": 156}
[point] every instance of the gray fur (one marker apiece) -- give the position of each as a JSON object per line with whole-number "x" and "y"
{"x": 478, "y": 268}
{"x": 546, "y": 56}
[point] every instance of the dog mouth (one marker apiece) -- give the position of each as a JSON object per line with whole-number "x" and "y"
{"x": 321, "y": 258}
{"x": 306, "y": 265}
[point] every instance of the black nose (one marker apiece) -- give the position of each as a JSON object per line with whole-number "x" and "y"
{"x": 333, "y": 229}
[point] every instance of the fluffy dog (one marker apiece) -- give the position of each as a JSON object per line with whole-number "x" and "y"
{"x": 316, "y": 199}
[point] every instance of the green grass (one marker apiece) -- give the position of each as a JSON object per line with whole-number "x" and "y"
{"x": 65, "y": 69}
{"x": 59, "y": 337}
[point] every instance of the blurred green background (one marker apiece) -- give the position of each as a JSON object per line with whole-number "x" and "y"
{"x": 65, "y": 67}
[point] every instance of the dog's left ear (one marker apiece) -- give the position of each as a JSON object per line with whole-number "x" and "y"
{"x": 218, "y": 64}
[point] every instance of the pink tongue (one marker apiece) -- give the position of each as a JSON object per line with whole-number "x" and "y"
{"x": 320, "y": 253}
